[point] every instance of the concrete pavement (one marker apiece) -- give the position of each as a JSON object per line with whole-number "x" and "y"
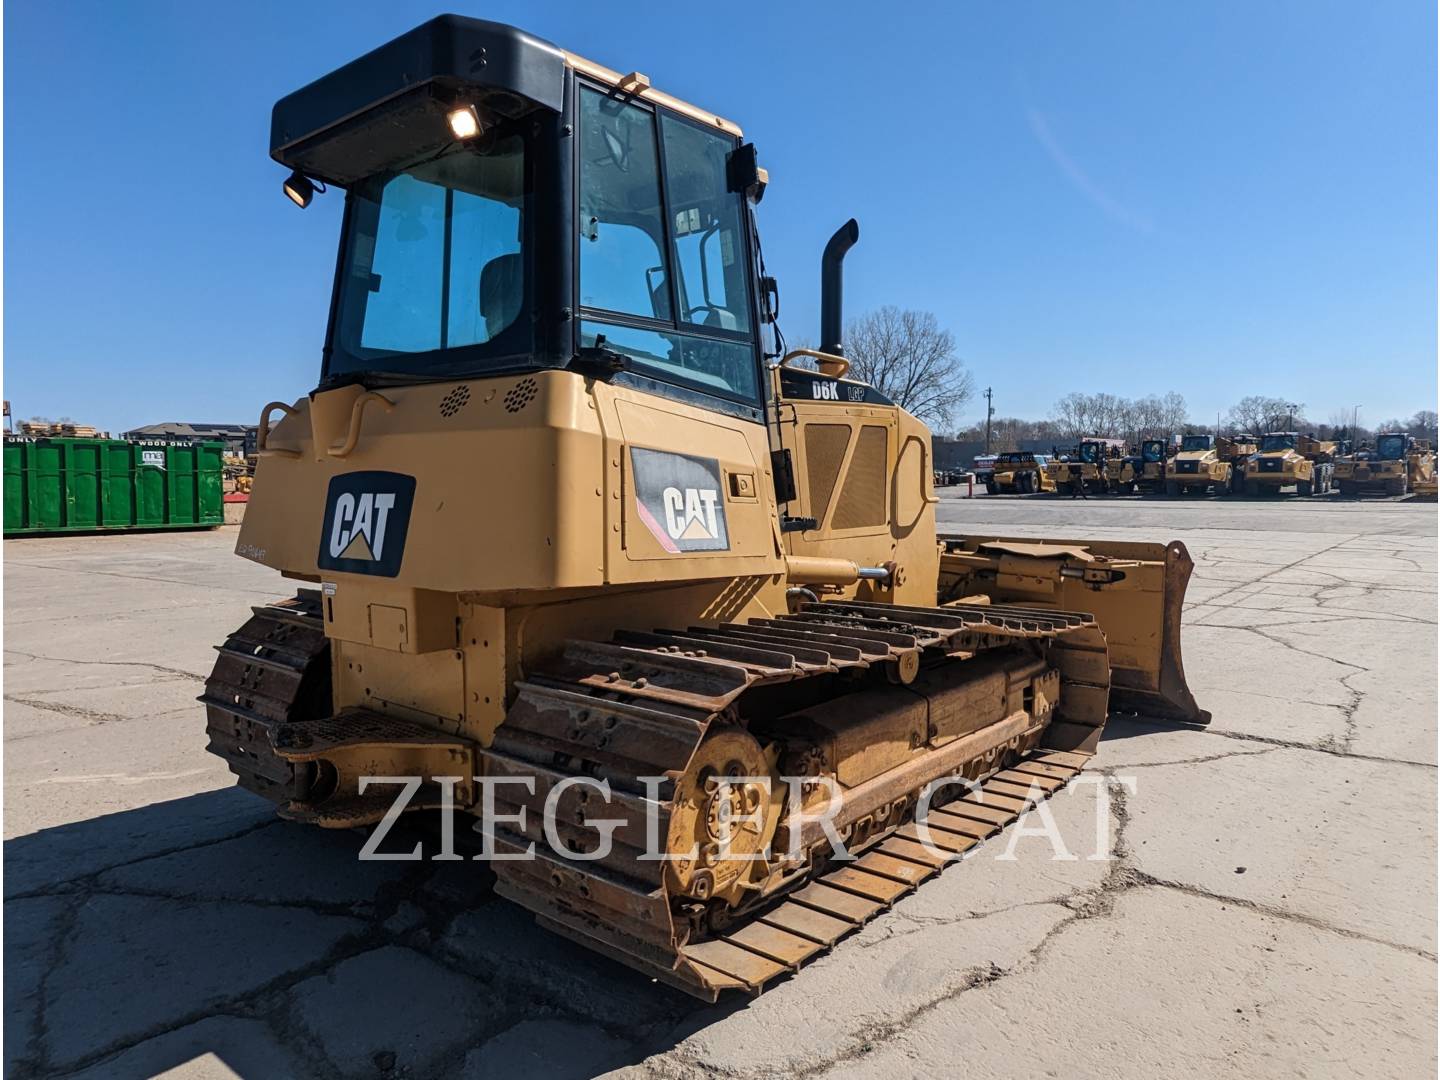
{"x": 1266, "y": 907}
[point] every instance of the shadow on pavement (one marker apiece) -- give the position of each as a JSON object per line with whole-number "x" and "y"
{"x": 1128, "y": 726}
{"x": 139, "y": 941}
{"x": 142, "y": 940}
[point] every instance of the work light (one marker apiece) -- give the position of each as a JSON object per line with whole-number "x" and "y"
{"x": 299, "y": 189}
{"x": 464, "y": 122}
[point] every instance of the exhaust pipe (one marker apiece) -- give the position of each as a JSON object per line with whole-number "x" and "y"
{"x": 832, "y": 287}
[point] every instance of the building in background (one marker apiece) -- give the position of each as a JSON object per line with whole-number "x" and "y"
{"x": 238, "y": 438}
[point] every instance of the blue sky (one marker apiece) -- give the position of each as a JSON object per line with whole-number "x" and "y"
{"x": 1222, "y": 198}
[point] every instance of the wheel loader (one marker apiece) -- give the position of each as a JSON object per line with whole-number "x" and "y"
{"x": 1287, "y": 459}
{"x": 1208, "y": 463}
{"x": 1398, "y": 465}
{"x": 660, "y": 613}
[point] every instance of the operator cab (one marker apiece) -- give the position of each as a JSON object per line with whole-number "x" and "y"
{"x": 1277, "y": 442}
{"x": 1197, "y": 443}
{"x": 534, "y": 210}
{"x": 1092, "y": 452}
{"x": 1392, "y": 446}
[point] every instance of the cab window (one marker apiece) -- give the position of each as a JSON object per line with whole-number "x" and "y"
{"x": 622, "y": 231}
{"x": 1391, "y": 447}
{"x": 709, "y": 246}
{"x": 664, "y": 269}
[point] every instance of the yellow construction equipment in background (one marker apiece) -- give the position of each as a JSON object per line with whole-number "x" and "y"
{"x": 1208, "y": 463}
{"x": 583, "y": 565}
{"x": 1018, "y": 472}
{"x": 1083, "y": 469}
{"x": 1398, "y": 465}
{"x": 1287, "y": 459}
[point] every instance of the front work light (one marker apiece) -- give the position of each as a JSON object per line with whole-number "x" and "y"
{"x": 299, "y": 189}
{"x": 464, "y": 122}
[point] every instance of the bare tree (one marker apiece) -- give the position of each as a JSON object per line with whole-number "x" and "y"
{"x": 1077, "y": 415}
{"x": 908, "y": 357}
{"x": 1257, "y": 414}
{"x": 1173, "y": 414}
{"x": 1108, "y": 416}
{"x": 1423, "y": 425}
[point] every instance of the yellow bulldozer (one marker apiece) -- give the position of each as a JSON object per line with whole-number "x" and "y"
{"x": 1288, "y": 459}
{"x": 1398, "y": 465}
{"x": 692, "y": 662}
{"x": 1208, "y": 463}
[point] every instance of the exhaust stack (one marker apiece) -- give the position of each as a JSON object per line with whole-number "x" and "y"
{"x": 832, "y": 287}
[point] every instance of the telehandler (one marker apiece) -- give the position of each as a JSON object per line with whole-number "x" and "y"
{"x": 1397, "y": 465}
{"x": 702, "y": 570}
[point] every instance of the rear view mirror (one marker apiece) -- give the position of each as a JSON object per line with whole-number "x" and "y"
{"x": 743, "y": 174}
{"x": 769, "y": 299}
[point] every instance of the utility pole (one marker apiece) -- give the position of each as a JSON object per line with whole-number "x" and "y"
{"x": 989, "y": 415}
{"x": 1292, "y": 406}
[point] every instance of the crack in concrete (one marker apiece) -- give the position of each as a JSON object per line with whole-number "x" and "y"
{"x": 95, "y": 716}
{"x": 178, "y": 673}
{"x": 1282, "y": 913}
{"x": 1194, "y": 760}
{"x": 83, "y": 881}
{"x": 211, "y": 589}
{"x": 1292, "y": 565}
{"x": 1317, "y": 748}
{"x": 255, "y": 1003}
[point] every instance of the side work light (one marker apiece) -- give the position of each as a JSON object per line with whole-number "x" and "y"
{"x": 299, "y": 189}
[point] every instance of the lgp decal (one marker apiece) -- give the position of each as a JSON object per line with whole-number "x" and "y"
{"x": 679, "y": 499}
{"x": 367, "y": 515}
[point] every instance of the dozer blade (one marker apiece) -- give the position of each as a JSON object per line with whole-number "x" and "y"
{"x": 1134, "y": 591}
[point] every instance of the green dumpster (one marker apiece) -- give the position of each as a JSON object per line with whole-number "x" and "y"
{"x": 102, "y": 485}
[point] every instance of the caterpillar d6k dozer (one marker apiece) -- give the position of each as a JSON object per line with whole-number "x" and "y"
{"x": 582, "y": 564}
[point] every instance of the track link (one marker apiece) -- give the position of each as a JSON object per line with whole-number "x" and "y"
{"x": 273, "y": 670}
{"x": 633, "y": 711}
